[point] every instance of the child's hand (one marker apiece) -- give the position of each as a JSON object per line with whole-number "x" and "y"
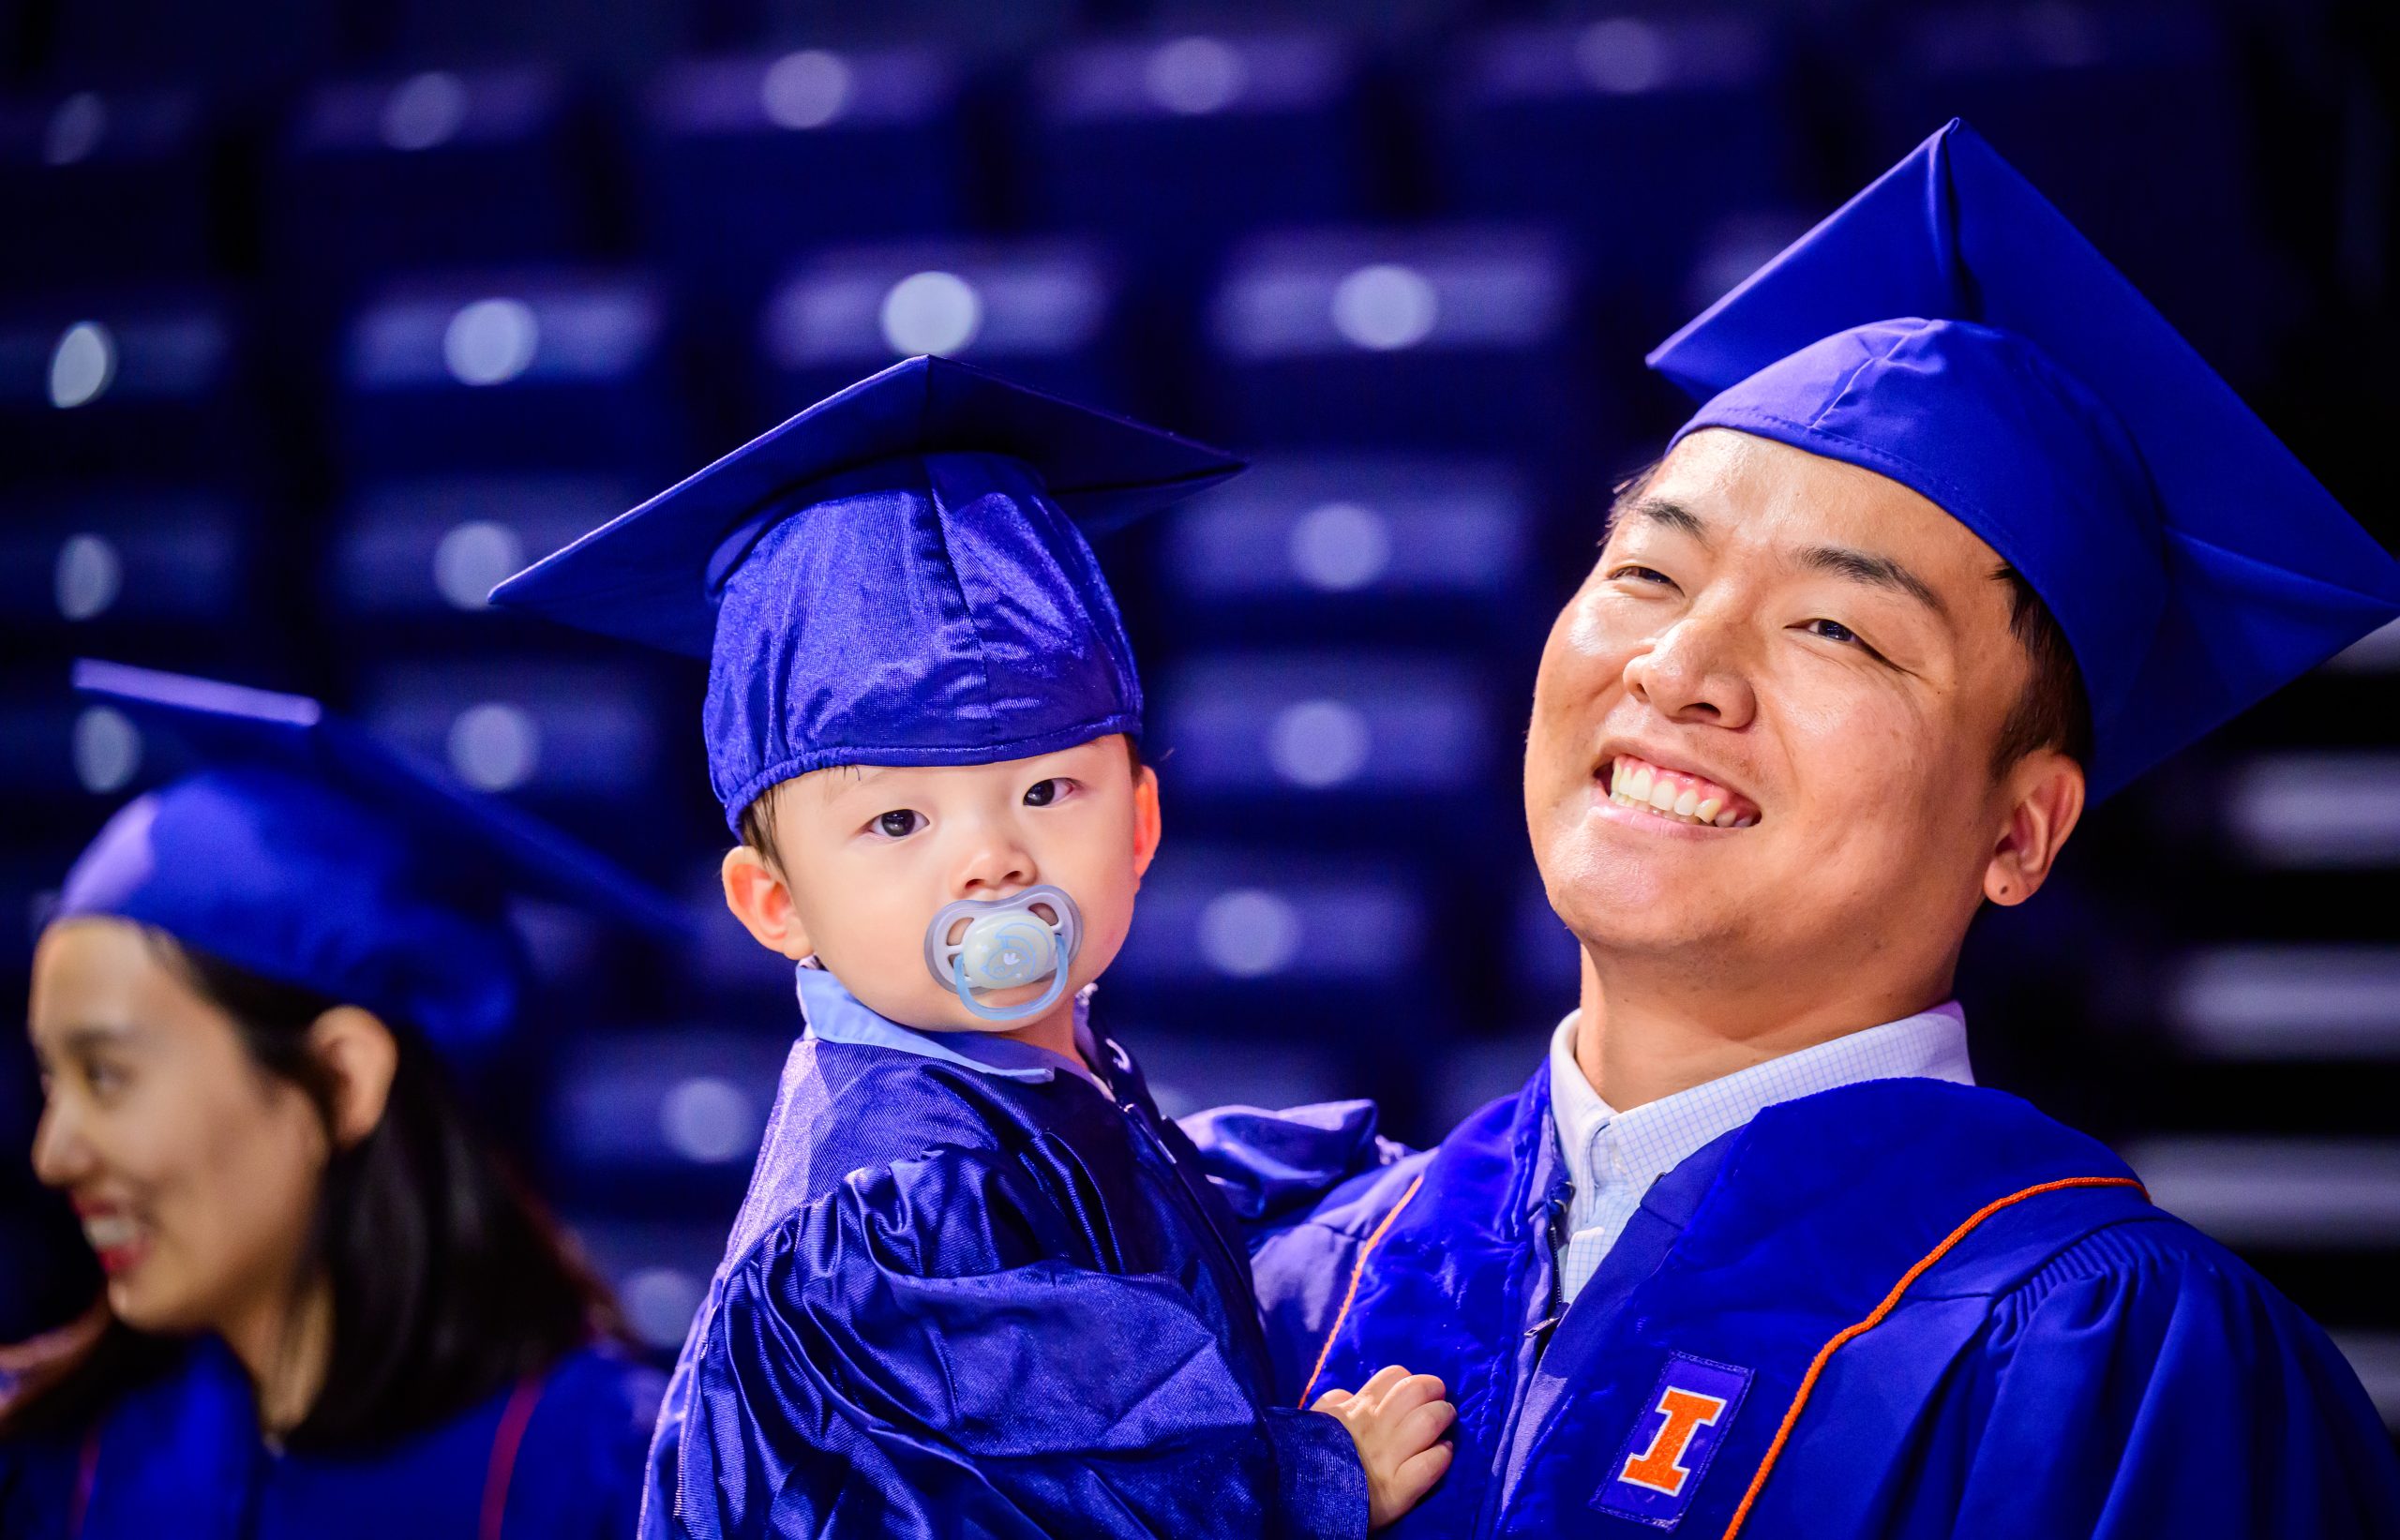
{"x": 1397, "y": 1420}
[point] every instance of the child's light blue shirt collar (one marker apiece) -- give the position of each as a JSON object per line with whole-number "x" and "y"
{"x": 834, "y": 1014}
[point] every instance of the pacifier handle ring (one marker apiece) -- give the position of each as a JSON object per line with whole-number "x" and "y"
{"x": 1066, "y": 931}
{"x": 1004, "y": 1013}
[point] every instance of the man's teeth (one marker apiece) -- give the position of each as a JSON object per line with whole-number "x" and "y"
{"x": 107, "y": 1233}
{"x": 1672, "y": 794}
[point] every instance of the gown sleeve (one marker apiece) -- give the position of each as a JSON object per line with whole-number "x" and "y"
{"x": 578, "y": 1471}
{"x": 2153, "y": 1385}
{"x": 1273, "y": 1167}
{"x": 906, "y": 1357}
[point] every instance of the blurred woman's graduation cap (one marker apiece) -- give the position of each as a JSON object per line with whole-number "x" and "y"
{"x": 304, "y": 851}
{"x": 897, "y": 575}
{"x": 1949, "y": 329}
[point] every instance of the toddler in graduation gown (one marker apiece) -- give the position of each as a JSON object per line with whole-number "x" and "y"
{"x": 979, "y": 1285}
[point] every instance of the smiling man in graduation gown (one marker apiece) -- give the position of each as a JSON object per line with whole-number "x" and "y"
{"x": 1963, "y": 537}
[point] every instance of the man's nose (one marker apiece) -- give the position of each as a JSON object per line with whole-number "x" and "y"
{"x": 1696, "y": 671}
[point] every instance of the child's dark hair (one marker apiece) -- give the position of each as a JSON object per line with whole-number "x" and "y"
{"x": 759, "y": 819}
{"x": 449, "y": 1280}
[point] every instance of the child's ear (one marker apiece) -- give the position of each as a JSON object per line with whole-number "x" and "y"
{"x": 1146, "y": 827}
{"x": 760, "y": 899}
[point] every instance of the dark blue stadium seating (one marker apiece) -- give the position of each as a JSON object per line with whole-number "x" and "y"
{"x": 1174, "y": 145}
{"x": 236, "y": 45}
{"x": 1044, "y": 313}
{"x": 2131, "y": 117}
{"x": 1637, "y": 132}
{"x": 977, "y": 28}
{"x": 537, "y": 370}
{"x": 1347, "y": 727}
{"x": 97, "y": 566}
{"x": 585, "y": 744}
{"x": 670, "y": 1111}
{"x": 74, "y": 761}
{"x": 624, "y": 37}
{"x": 1354, "y": 548}
{"x": 1457, "y": 338}
{"x": 439, "y": 167}
{"x": 424, "y": 553}
{"x": 105, "y": 186}
{"x": 129, "y": 384}
{"x": 659, "y": 1268}
{"x": 1254, "y": 942}
{"x": 748, "y": 163}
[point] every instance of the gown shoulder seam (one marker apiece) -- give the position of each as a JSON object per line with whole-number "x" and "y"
{"x": 782, "y": 1225}
{"x": 2155, "y": 1242}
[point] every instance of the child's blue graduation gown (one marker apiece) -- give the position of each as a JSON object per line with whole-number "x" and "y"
{"x": 1902, "y": 1308}
{"x": 973, "y": 1292}
{"x": 554, "y": 1458}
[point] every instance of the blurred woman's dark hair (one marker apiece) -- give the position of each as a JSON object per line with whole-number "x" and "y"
{"x": 450, "y": 1282}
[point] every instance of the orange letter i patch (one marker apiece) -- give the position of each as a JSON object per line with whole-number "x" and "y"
{"x": 1660, "y": 1467}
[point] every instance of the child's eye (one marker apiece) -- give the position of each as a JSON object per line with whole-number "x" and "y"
{"x": 899, "y": 824}
{"x": 1044, "y": 793}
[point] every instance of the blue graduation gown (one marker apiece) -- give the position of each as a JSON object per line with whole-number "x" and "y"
{"x": 2043, "y": 1352}
{"x": 960, "y": 1300}
{"x": 554, "y": 1458}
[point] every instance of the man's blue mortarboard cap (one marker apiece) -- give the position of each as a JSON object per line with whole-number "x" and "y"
{"x": 1950, "y": 329}
{"x": 302, "y": 850}
{"x": 895, "y": 577}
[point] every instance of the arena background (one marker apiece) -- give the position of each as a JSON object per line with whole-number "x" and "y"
{"x": 316, "y": 318}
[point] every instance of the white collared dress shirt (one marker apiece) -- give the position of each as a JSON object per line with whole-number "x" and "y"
{"x": 1612, "y": 1157}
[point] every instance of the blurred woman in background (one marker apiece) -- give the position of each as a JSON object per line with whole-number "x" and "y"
{"x": 328, "y": 1308}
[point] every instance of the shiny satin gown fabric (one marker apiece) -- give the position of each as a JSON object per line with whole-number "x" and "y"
{"x": 961, "y": 1304}
{"x": 941, "y": 609}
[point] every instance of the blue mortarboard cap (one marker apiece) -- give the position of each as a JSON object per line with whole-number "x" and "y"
{"x": 1950, "y": 329}
{"x": 897, "y": 575}
{"x": 302, "y": 850}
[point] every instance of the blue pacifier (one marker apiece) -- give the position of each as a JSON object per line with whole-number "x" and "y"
{"x": 1003, "y": 943}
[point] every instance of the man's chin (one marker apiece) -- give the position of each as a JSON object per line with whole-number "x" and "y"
{"x": 1614, "y": 901}
{"x": 1653, "y": 935}
{"x": 1631, "y": 868}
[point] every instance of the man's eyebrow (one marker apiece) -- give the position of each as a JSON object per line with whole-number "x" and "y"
{"x": 1880, "y": 570}
{"x": 1674, "y": 516}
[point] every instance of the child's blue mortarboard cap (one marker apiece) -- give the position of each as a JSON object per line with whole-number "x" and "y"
{"x": 895, "y": 577}
{"x": 1950, "y": 329}
{"x": 303, "y": 851}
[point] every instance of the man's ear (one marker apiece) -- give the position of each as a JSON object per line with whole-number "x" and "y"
{"x": 2047, "y": 800}
{"x": 1147, "y": 829}
{"x": 360, "y": 1056}
{"x": 761, "y": 900}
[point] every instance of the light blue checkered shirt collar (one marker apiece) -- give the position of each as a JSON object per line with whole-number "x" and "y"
{"x": 1612, "y": 1157}
{"x": 834, "y": 1014}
